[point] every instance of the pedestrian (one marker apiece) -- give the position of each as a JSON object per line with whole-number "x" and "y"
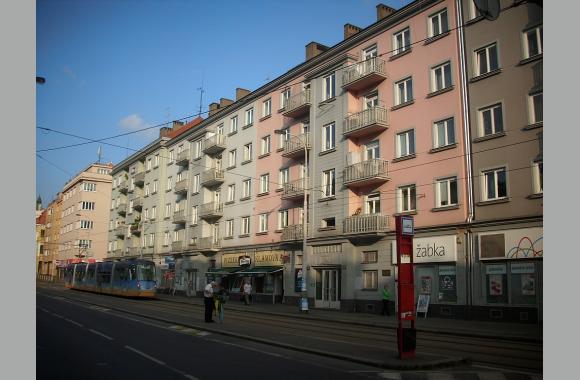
{"x": 247, "y": 292}
{"x": 221, "y": 297}
{"x": 386, "y": 298}
{"x": 208, "y": 301}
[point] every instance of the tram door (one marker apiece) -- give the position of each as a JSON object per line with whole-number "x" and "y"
{"x": 327, "y": 289}
{"x": 190, "y": 284}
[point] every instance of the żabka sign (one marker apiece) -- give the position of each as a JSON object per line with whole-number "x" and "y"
{"x": 431, "y": 249}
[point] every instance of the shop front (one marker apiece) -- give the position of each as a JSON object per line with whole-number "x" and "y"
{"x": 266, "y": 275}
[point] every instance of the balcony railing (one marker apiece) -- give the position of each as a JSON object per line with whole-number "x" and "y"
{"x": 209, "y": 243}
{"x": 137, "y": 203}
{"x": 139, "y": 179}
{"x": 118, "y": 252}
{"x": 177, "y": 246}
{"x": 121, "y": 230}
{"x": 297, "y": 105}
{"x": 135, "y": 229}
{"x": 366, "y": 122}
{"x": 182, "y": 157}
{"x": 122, "y": 208}
{"x": 294, "y": 189}
{"x": 366, "y": 173}
{"x": 212, "y": 177}
{"x": 124, "y": 187}
{"x": 293, "y": 232}
{"x": 211, "y": 210}
{"x": 181, "y": 186}
{"x": 294, "y": 146}
{"x": 363, "y": 224}
{"x": 179, "y": 217}
{"x": 364, "y": 74}
{"x": 214, "y": 144}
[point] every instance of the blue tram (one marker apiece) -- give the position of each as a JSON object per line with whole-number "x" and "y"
{"x": 132, "y": 278}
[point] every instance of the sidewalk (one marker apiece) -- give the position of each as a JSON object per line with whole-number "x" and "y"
{"x": 525, "y": 332}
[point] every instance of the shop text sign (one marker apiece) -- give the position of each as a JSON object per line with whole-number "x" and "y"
{"x": 239, "y": 259}
{"x": 269, "y": 258}
{"x": 431, "y": 249}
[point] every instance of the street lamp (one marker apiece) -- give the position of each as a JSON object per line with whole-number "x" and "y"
{"x": 304, "y": 298}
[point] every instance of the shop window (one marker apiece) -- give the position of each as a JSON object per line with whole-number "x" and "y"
{"x": 523, "y": 283}
{"x": 496, "y": 283}
{"x": 447, "y": 281}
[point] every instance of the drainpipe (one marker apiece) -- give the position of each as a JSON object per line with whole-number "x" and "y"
{"x": 467, "y": 144}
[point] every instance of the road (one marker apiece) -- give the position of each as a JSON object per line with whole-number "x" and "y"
{"x": 160, "y": 339}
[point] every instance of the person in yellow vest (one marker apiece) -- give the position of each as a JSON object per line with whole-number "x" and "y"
{"x": 386, "y": 297}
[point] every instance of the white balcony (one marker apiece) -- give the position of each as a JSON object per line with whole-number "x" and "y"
{"x": 294, "y": 146}
{"x": 369, "y": 121}
{"x": 294, "y": 189}
{"x": 181, "y": 186}
{"x": 211, "y": 210}
{"x": 293, "y": 232}
{"x": 364, "y": 74}
{"x": 298, "y": 105}
{"x": 214, "y": 144}
{"x": 365, "y": 173}
{"x": 366, "y": 224}
{"x": 212, "y": 177}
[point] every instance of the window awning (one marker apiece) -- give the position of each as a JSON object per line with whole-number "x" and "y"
{"x": 259, "y": 270}
{"x": 221, "y": 271}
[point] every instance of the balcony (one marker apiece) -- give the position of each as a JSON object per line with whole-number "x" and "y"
{"x": 294, "y": 189}
{"x": 137, "y": 204}
{"x": 179, "y": 217}
{"x": 365, "y": 173}
{"x": 212, "y": 210}
{"x": 364, "y": 74}
{"x": 121, "y": 230}
{"x": 366, "y": 224}
{"x": 366, "y": 122}
{"x": 134, "y": 251}
{"x": 294, "y": 146}
{"x": 209, "y": 244}
{"x": 139, "y": 179}
{"x": 181, "y": 186}
{"x": 293, "y": 232}
{"x": 124, "y": 187}
{"x": 177, "y": 246}
{"x": 182, "y": 157}
{"x": 122, "y": 208}
{"x": 214, "y": 144}
{"x": 212, "y": 177}
{"x": 135, "y": 229}
{"x": 298, "y": 105}
{"x": 118, "y": 252}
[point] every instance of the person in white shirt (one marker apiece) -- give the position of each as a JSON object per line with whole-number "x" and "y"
{"x": 208, "y": 300}
{"x": 247, "y": 292}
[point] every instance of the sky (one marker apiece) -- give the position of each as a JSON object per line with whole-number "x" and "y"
{"x": 118, "y": 66}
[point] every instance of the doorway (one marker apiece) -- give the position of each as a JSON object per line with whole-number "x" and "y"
{"x": 327, "y": 289}
{"x": 190, "y": 283}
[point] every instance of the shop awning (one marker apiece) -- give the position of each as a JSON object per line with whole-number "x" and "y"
{"x": 259, "y": 270}
{"x": 221, "y": 271}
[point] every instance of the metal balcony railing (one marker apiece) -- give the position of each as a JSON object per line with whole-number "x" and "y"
{"x": 124, "y": 187}
{"x": 294, "y": 146}
{"x": 182, "y": 157}
{"x": 177, "y": 246}
{"x": 372, "y": 223}
{"x": 293, "y": 232}
{"x": 294, "y": 189}
{"x": 214, "y": 144}
{"x": 211, "y": 210}
{"x": 179, "y": 216}
{"x": 298, "y": 104}
{"x": 181, "y": 186}
{"x": 139, "y": 178}
{"x": 365, "y": 122}
{"x": 212, "y": 177}
{"x": 121, "y": 230}
{"x": 364, "y": 74}
{"x": 367, "y": 172}
{"x": 134, "y": 251}
{"x": 137, "y": 203}
{"x": 209, "y": 243}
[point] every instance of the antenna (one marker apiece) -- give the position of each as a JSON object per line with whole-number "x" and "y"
{"x": 200, "y": 89}
{"x": 489, "y": 9}
{"x": 99, "y": 151}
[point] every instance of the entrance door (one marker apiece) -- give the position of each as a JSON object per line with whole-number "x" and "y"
{"x": 190, "y": 284}
{"x": 327, "y": 288}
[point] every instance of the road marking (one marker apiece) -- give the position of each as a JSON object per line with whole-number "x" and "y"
{"x": 42, "y": 309}
{"x": 506, "y": 370}
{"x": 145, "y": 355}
{"x": 248, "y": 348}
{"x": 491, "y": 376}
{"x": 101, "y": 334}
{"x": 73, "y": 322}
{"x": 440, "y": 376}
{"x": 58, "y": 315}
{"x": 391, "y": 375}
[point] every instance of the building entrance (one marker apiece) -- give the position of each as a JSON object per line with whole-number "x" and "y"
{"x": 327, "y": 289}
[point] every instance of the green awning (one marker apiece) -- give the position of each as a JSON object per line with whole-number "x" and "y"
{"x": 221, "y": 271}
{"x": 259, "y": 270}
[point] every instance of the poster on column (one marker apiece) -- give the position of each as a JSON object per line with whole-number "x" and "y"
{"x": 495, "y": 285}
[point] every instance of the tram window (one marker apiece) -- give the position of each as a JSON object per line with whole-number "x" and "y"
{"x": 132, "y": 273}
{"x": 146, "y": 272}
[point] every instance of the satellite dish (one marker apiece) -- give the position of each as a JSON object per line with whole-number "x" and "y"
{"x": 489, "y": 9}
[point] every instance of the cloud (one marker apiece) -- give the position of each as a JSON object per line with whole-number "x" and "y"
{"x": 68, "y": 71}
{"x": 135, "y": 122}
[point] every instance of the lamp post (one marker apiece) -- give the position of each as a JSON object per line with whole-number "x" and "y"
{"x": 304, "y": 296}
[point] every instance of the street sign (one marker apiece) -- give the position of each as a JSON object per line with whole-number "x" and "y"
{"x": 407, "y": 227}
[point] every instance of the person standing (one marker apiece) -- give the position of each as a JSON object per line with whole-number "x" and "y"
{"x": 221, "y": 297}
{"x": 386, "y": 297}
{"x": 247, "y": 292}
{"x": 208, "y": 300}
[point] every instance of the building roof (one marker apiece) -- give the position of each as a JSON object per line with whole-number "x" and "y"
{"x": 41, "y": 219}
{"x": 185, "y": 127}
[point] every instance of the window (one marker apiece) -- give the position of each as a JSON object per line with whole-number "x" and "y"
{"x": 171, "y": 156}
{"x": 264, "y": 183}
{"x": 88, "y": 186}
{"x": 132, "y": 184}
{"x": 263, "y": 223}
{"x": 446, "y": 192}
{"x": 402, "y": 41}
{"x": 167, "y": 210}
{"x": 406, "y": 143}
{"x": 231, "y": 192}
{"x": 266, "y": 107}
{"x": 536, "y": 108}
{"x": 156, "y": 161}
{"x": 407, "y": 198}
{"x": 328, "y": 183}
{"x": 194, "y": 215}
{"x": 232, "y": 158}
{"x": 494, "y": 184}
{"x": 234, "y": 124}
{"x": 265, "y": 146}
{"x": 370, "y": 279}
{"x": 538, "y": 177}
{"x": 284, "y": 97}
{"x": 149, "y": 164}
{"x": 229, "y": 228}
{"x": 372, "y": 150}
{"x": 486, "y": 60}
{"x": 146, "y": 189}
{"x": 195, "y": 184}
{"x": 443, "y": 133}
{"x": 438, "y": 23}
{"x": 284, "y": 137}
{"x": 441, "y": 77}
{"x": 87, "y": 205}
{"x": 329, "y": 90}
{"x": 282, "y": 219}
{"x": 86, "y": 224}
{"x": 283, "y": 177}
{"x": 328, "y": 137}
{"x": 369, "y": 257}
{"x": 153, "y": 212}
{"x": 151, "y": 240}
{"x": 534, "y": 42}
{"x": 248, "y": 152}
{"x": 369, "y": 53}
{"x": 249, "y": 117}
{"x": 246, "y": 188}
{"x": 404, "y": 91}
{"x": 166, "y": 238}
{"x": 197, "y": 148}
{"x": 373, "y": 204}
{"x": 155, "y": 186}
{"x": 370, "y": 101}
{"x": 131, "y": 206}
{"x": 245, "y": 225}
{"x": 329, "y": 222}
{"x": 169, "y": 184}
{"x": 490, "y": 120}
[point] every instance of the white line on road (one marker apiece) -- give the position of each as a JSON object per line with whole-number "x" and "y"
{"x": 504, "y": 369}
{"x": 186, "y": 375}
{"x": 101, "y": 334}
{"x": 248, "y": 348}
{"x": 58, "y": 315}
{"x": 390, "y": 375}
{"x": 491, "y": 376}
{"x": 73, "y": 322}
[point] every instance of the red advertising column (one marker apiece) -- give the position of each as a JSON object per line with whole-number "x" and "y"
{"x": 406, "y": 336}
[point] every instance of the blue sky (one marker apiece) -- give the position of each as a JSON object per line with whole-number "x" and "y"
{"x": 116, "y": 66}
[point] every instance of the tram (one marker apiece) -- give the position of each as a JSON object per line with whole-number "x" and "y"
{"x": 131, "y": 278}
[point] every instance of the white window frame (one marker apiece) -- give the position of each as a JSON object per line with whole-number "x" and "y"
{"x": 370, "y": 279}
{"x": 232, "y": 156}
{"x": 229, "y": 228}
{"x": 264, "y": 183}
{"x": 538, "y": 177}
{"x": 265, "y": 145}
{"x": 373, "y": 204}
{"x": 282, "y": 219}
{"x": 155, "y": 186}
{"x": 493, "y": 109}
{"x": 195, "y": 184}
{"x": 169, "y": 184}
{"x": 284, "y": 97}
{"x": 194, "y": 215}
{"x": 231, "y": 193}
{"x": 283, "y": 177}
{"x": 532, "y": 107}
{"x": 537, "y": 32}
{"x": 249, "y": 117}
{"x": 493, "y": 174}
{"x": 402, "y": 44}
{"x": 165, "y": 238}
{"x": 328, "y": 136}
{"x": 168, "y": 210}
{"x": 406, "y": 198}
{"x": 149, "y": 164}
{"x": 153, "y": 213}
{"x": 247, "y": 188}
{"x": 156, "y": 161}
{"x": 171, "y": 157}
{"x": 267, "y": 107}
{"x": 284, "y": 137}
{"x": 443, "y": 191}
{"x": 484, "y": 53}
{"x": 246, "y": 226}
{"x": 370, "y": 52}
{"x": 442, "y": 23}
{"x": 448, "y": 128}
{"x": 329, "y": 86}
{"x": 406, "y": 140}
{"x": 403, "y": 91}
{"x": 328, "y": 183}
{"x": 234, "y": 124}
{"x": 263, "y": 223}
{"x": 442, "y": 71}
{"x": 248, "y": 152}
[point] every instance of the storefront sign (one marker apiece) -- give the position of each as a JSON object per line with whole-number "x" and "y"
{"x": 269, "y": 258}
{"x": 495, "y": 269}
{"x": 524, "y": 243}
{"x": 244, "y": 261}
{"x": 431, "y": 249}
{"x": 522, "y": 268}
{"x": 230, "y": 260}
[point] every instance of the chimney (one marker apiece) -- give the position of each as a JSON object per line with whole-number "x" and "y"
{"x": 241, "y": 92}
{"x": 350, "y": 30}
{"x": 213, "y": 108}
{"x": 384, "y": 11}
{"x": 177, "y": 124}
{"x": 313, "y": 49}
{"x": 164, "y": 131}
{"x": 225, "y": 102}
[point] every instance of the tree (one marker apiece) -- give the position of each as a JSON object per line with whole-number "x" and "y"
{"x": 38, "y": 203}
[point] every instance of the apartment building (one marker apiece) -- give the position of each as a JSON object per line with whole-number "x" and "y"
{"x": 504, "y": 82}
{"x": 40, "y": 232}
{"x": 48, "y": 260}
{"x": 83, "y": 215}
